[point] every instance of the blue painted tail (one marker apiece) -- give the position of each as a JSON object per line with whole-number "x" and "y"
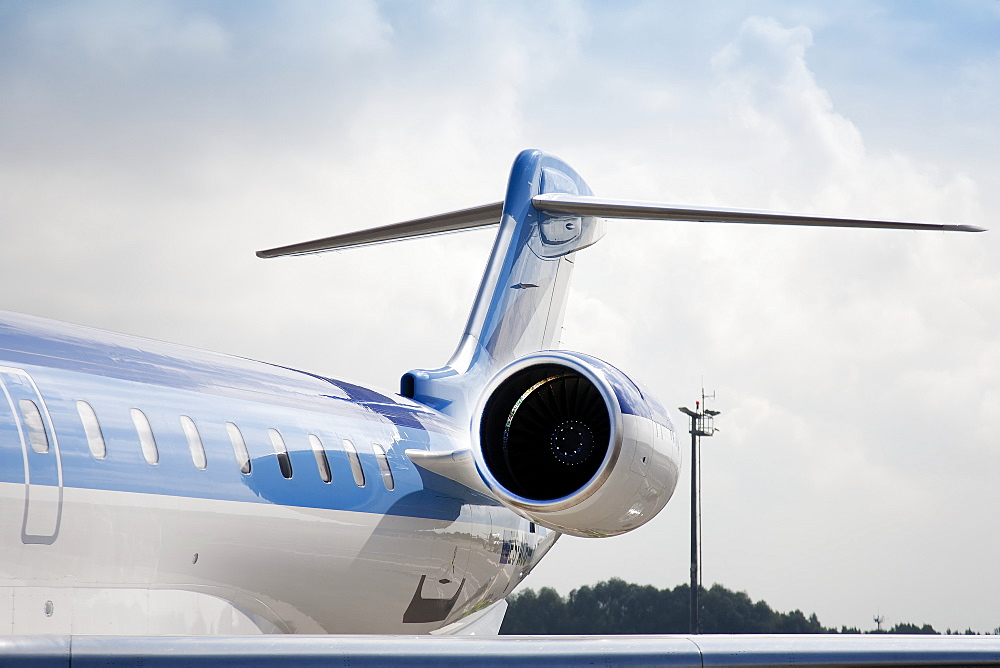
{"x": 522, "y": 298}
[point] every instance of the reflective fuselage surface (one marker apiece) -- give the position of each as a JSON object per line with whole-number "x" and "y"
{"x": 119, "y": 517}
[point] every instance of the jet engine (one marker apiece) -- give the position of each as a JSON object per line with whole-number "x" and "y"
{"x": 573, "y": 444}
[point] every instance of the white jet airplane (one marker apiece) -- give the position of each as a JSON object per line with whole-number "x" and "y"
{"x": 149, "y": 489}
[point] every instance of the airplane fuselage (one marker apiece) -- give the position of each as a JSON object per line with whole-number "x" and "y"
{"x": 129, "y": 505}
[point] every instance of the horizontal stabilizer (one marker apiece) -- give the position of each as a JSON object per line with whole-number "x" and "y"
{"x": 561, "y": 204}
{"x": 578, "y": 205}
{"x": 466, "y": 219}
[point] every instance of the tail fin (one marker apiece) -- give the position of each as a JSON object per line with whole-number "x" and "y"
{"x": 522, "y": 298}
{"x": 521, "y": 301}
{"x": 548, "y": 214}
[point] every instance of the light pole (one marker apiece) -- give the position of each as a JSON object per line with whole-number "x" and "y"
{"x": 702, "y": 424}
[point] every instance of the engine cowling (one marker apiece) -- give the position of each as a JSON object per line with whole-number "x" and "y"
{"x": 573, "y": 444}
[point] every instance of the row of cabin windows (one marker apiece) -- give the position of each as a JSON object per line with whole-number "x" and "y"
{"x": 95, "y": 440}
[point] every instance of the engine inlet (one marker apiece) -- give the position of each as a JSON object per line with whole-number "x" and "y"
{"x": 545, "y": 432}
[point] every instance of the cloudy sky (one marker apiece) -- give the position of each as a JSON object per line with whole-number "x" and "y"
{"x": 148, "y": 149}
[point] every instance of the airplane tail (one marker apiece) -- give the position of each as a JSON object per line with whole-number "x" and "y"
{"x": 548, "y": 214}
{"x": 522, "y": 298}
{"x": 521, "y": 301}
{"x": 561, "y": 438}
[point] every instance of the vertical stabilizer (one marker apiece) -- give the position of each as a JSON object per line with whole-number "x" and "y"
{"x": 521, "y": 301}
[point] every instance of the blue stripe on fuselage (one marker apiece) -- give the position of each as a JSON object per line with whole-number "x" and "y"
{"x": 29, "y": 340}
{"x": 115, "y": 373}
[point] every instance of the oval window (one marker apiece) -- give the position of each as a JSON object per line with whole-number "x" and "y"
{"x": 239, "y": 448}
{"x": 281, "y": 452}
{"x": 383, "y": 466}
{"x": 36, "y": 428}
{"x": 146, "y": 440}
{"x": 352, "y": 456}
{"x": 195, "y": 445}
{"x": 322, "y": 463}
{"x": 92, "y": 428}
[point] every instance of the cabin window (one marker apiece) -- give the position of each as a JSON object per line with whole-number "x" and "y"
{"x": 92, "y": 428}
{"x": 146, "y": 440}
{"x": 281, "y": 452}
{"x": 352, "y": 456}
{"x": 194, "y": 443}
{"x": 322, "y": 463}
{"x": 383, "y": 466}
{"x": 36, "y": 428}
{"x": 239, "y": 448}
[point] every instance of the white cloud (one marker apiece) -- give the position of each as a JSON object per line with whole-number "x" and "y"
{"x": 120, "y": 36}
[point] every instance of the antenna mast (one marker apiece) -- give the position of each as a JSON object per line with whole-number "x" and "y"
{"x": 702, "y": 424}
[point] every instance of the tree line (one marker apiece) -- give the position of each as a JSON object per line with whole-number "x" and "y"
{"x": 616, "y": 606}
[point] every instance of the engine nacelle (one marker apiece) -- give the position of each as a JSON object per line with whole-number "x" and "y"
{"x": 573, "y": 444}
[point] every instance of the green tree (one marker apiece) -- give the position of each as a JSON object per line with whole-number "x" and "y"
{"x": 531, "y": 613}
{"x": 913, "y": 629}
{"x": 616, "y": 606}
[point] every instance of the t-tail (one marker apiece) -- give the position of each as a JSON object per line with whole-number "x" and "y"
{"x": 560, "y": 437}
{"x": 521, "y": 301}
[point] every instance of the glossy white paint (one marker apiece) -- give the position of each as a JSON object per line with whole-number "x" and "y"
{"x": 149, "y": 564}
